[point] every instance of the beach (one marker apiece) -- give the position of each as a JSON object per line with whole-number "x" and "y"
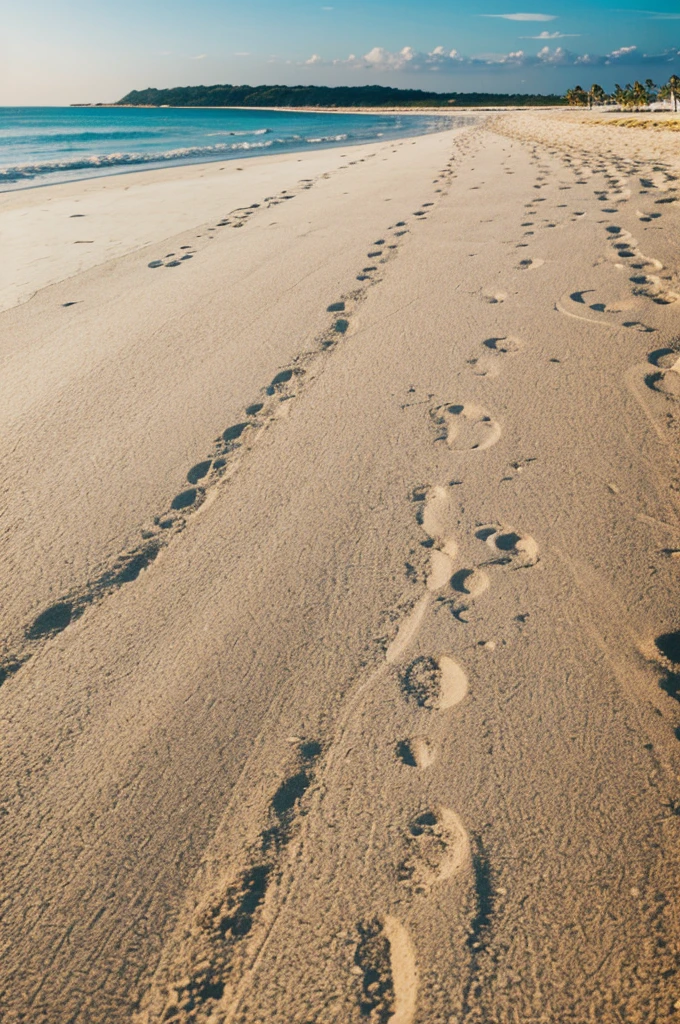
{"x": 340, "y": 655}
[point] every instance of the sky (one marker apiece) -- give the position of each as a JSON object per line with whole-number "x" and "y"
{"x": 56, "y": 52}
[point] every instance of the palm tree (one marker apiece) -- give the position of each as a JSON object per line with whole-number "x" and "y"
{"x": 596, "y": 94}
{"x": 576, "y": 97}
{"x": 621, "y": 96}
{"x": 670, "y": 91}
{"x": 674, "y": 87}
{"x": 640, "y": 94}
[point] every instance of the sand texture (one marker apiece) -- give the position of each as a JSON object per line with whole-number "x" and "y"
{"x": 340, "y": 622}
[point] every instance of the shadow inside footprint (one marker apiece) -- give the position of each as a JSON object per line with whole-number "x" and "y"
{"x": 485, "y": 532}
{"x": 232, "y": 434}
{"x": 422, "y": 823}
{"x": 507, "y": 541}
{"x": 53, "y": 620}
{"x": 184, "y": 499}
{"x": 405, "y": 754}
{"x": 281, "y": 378}
{"x": 198, "y": 471}
{"x": 459, "y": 580}
{"x": 131, "y": 568}
{"x": 669, "y": 645}
{"x": 504, "y": 345}
{"x": 663, "y": 357}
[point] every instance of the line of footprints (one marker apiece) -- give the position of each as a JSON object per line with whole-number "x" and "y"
{"x": 223, "y": 458}
{"x": 439, "y": 846}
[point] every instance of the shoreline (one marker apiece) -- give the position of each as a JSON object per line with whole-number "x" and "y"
{"x": 452, "y": 110}
{"x": 47, "y": 218}
{"x": 243, "y": 154}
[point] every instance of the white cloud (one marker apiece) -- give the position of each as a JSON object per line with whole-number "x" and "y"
{"x": 439, "y": 59}
{"x": 657, "y": 15}
{"x": 381, "y": 58}
{"x": 522, "y": 17}
{"x": 553, "y": 35}
{"x": 199, "y": 56}
{"x": 622, "y": 52}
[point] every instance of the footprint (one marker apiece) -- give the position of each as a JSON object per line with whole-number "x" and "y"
{"x": 666, "y": 651}
{"x": 530, "y": 264}
{"x": 432, "y": 517}
{"x": 441, "y": 568}
{"x": 416, "y": 752}
{"x": 234, "y": 432}
{"x": 494, "y": 297}
{"x": 205, "y": 960}
{"x": 667, "y": 380}
{"x": 53, "y": 620}
{"x": 199, "y": 471}
{"x": 472, "y": 582}
{"x": 184, "y": 499}
{"x": 505, "y": 345}
{"x": 517, "y": 549}
{"x": 443, "y": 550}
{"x": 435, "y": 683}
{"x": 467, "y": 427}
{"x": 386, "y": 963}
{"x": 281, "y": 378}
{"x": 578, "y": 306}
{"x": 668, "y": 646}
{"x": 484, "y": 367}
{"x": 445, "y": 547}
{"x": 440, "y": 848}
{"x": 653, "y": 287}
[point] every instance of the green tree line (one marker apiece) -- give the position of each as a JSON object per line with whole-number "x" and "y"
{"x": 630, "y": 96}
{"x": 323, "y": 96}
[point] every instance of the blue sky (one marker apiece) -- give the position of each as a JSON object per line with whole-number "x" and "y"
{"x": 63, "y": 51}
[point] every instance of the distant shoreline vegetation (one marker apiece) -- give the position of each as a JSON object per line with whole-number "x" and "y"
{"x": 638, "y": 96}
{"x": 323, "y": 96}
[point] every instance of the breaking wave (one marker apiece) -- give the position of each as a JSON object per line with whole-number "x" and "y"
{"x": 94, "y": 162}
{"x": 51, "y": 145}
{"x": 254, "y": 131}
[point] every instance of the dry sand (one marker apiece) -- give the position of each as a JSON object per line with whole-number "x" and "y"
{"x": 341, "y": 639}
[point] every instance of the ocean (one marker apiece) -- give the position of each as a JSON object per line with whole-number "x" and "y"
{"x": 42, "y": 145}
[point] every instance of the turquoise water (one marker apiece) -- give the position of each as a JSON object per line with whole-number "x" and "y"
{"x": 41, "y": 145}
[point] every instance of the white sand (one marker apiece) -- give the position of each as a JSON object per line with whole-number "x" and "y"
{"x": 378, "y": 722}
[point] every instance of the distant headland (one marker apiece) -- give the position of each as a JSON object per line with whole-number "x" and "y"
{"x": 323, "y": 96}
